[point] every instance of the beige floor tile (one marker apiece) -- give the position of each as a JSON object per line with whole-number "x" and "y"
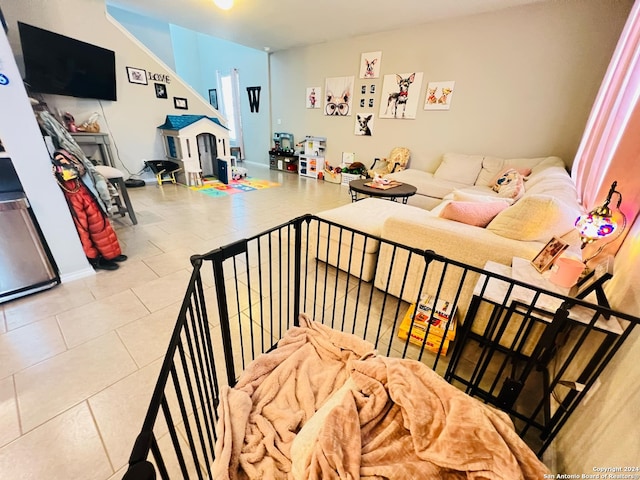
{"x": 131, "y": 273}
{"x": 3, "y": 324}
{"x": 45, "y": 304}
{"x": 147, "y": 338}
{"x": 171, "y": 261}
{"x": 67, "y": 447}
{"x": 28, "y": 345}
{"x": 119, "y": 411}
{"x": 9, "y": 422}
{"x": 55, "y": 385}
{"x": 102, "y": 316}
{"x": 163, "y": 291}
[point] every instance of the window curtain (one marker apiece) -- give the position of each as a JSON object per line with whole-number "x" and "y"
{"x": 610, "y": 146}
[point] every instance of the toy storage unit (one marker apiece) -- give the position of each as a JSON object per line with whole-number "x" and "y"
{"x": 311, "y": 162}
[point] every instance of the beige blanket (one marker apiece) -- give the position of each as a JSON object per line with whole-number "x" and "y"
{"x": 321, "y": 406}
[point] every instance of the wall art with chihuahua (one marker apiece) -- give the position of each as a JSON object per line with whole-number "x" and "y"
{"x": 364, "y": 124}
{"x": 370, "y": 64}
{"x": 338, "y": 96}
{"x": 400, "y": 95}
{"x": 439, "y": 95}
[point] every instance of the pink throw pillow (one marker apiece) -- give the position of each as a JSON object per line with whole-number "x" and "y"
{"x": 473, "y": 213}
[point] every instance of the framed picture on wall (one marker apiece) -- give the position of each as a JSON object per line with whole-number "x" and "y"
{"x": 180, "y": 103}
{"x": 213, "y": 98}
{"x": 161, "y": 90}
{"x": 137, "y": 75}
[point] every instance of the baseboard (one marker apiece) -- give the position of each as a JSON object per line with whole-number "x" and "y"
{"x": 77, "y": 275}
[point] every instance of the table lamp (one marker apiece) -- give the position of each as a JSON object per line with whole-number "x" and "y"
{"x": 599, "y": 223}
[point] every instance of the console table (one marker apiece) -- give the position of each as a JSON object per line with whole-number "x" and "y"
{"x": 99, "y": 140}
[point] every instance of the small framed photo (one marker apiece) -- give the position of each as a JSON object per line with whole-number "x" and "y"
{"x": 180, "y": 103}
{"x": 213, "y": 98}
{"x": 372, "y": 88}
{"x": 363, "y": 89}
{"x": 362, "y": 103}
{"x": 548, "y": 254}
{"x": 161, "y": 90}
{"x": 137, "y": 75}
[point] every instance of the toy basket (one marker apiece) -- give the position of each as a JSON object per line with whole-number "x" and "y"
{"x": 347, "y": 177}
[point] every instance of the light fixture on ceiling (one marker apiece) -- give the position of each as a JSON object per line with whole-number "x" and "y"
{"x": 600, "y": 223}
{"x": 224, "y": 4}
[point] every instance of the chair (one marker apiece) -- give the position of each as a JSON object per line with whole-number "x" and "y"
{"x": 116, "y": 178}
{"x": 164, "y": 170}
{"x": 397, "y": 161}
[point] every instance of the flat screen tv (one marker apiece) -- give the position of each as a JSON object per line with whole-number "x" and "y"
{"x": 64, "y": 66}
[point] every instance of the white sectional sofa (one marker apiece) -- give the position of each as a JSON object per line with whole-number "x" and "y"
{"x": 547, "y": 206}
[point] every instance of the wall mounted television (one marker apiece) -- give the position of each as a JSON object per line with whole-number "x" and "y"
{"x": 61, "y": 65}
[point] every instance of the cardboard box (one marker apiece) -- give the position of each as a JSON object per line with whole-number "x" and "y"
{"x": 432, "y": 343}
{"x": 439, "y": 319}
{"x": 439, "y": 332}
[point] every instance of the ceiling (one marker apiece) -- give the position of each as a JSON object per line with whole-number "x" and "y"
{"x": 282, "y": 24}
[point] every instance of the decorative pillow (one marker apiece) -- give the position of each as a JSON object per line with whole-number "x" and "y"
{"x": 513, "y": 189}
{"x": 507, "y": 173}
{"x": 459, "y": 168}
{"x": 535, "y": 218}
{"x": 473, "y": 213}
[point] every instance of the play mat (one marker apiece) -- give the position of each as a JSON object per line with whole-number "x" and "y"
{"x": 215, "y": 188}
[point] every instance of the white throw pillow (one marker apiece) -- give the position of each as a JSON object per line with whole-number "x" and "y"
{"x": 535, "y": 218}
{"x": 459, "y": 168}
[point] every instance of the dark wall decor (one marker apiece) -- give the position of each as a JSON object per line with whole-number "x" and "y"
{"x": 181, "y": 103}
{"x": 254, "y": 98}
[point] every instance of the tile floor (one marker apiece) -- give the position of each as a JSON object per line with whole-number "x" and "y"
{"x": 78, "y": 362}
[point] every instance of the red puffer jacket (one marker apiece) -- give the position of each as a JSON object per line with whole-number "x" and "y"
{"x": 95, "y": 231}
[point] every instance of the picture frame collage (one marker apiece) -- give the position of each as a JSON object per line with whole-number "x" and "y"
{"x": 392, "y": 95}
{"x": 140, "y": 76}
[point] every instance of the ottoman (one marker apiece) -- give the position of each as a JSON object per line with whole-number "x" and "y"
{"x": 355, "y": 253}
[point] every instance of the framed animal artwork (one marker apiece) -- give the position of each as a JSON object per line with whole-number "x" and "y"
{"x": 364, "y": 124}
{"x": 370, "y": 64}
{"x": 439, "y": 95}
{"x": 400, "y": 95}
{"x": 338, "y": 96}
{"x": 314, "y": 97}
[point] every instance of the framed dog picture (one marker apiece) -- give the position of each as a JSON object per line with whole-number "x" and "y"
{"x": 400, "y": 94}
{"x": 552, "y": 250}
{"x": 364, "y": 124}
{"x": 370, "y": 65}
{"x": 439, "y": 95}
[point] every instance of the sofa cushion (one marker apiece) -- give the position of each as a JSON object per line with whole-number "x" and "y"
{"x": 535, "y": 218}
{"x": 459, "y": 168}
{"x": 468, "y": 196}
{"x": 473, "y": 213}
{"x": 491, "y": 166}
{"x": 426, "y": 183}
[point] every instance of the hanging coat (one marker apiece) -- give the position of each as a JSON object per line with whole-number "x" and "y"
{"x": 96, "y": 233}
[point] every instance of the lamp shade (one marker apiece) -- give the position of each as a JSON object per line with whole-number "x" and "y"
{"x": 595, "y": 225}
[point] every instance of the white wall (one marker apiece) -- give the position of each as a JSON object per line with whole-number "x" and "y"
{"x": 133, "y": 119}
{"x": 23, "y": 141}
{"x": 152, "y": 33}
{"x": 525, "y": 80}
{"x": 197, "y": 58}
